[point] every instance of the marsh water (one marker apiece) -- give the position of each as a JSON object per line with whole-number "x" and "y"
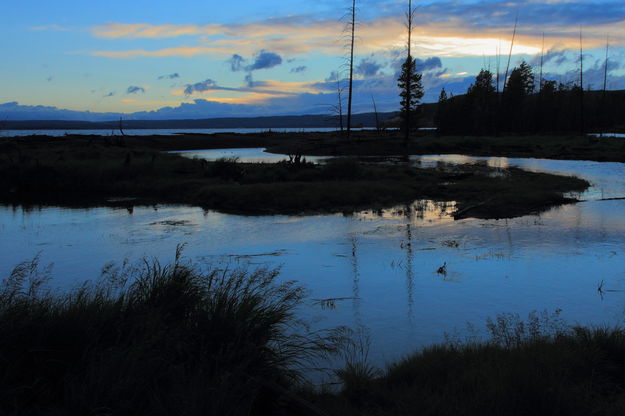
{"x": 372, "y": 269}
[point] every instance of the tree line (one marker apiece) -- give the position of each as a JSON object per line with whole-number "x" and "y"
{"x": 526, "y": 106}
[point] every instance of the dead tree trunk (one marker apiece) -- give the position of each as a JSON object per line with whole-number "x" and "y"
{"x": 351, "y": 70}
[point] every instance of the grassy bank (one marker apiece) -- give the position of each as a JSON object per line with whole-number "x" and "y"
{"x": 99, "y": 172}
{"x": 522, "y": 370}
{"x": 175, "y": 339}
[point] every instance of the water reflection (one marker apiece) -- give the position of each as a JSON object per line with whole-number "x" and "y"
{"x": 409, "y": 272}
{"x": 355, "y": 283}
{"x": 423, "y": 210}
{"x": 498, "y": 162}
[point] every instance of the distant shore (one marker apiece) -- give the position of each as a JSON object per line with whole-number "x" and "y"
{"x": 370, "y": 143}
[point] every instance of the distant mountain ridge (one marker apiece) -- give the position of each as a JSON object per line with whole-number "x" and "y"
{"x": 304, "y": 121}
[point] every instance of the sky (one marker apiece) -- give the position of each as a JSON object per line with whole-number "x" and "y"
{"x": 156, "y": 59}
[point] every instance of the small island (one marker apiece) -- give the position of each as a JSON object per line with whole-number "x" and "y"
{"x": 96, "y": 171}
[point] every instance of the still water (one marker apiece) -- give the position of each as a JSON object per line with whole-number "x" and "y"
{"x": 383, "y": 266}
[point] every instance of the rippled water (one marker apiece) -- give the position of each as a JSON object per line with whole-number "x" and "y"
{"x": 383, "y": 265}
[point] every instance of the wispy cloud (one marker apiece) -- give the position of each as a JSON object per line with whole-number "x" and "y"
{"x": 428, "y": 64}
{"x": 133, "y": 89}
{"x": 368, "y": 67}
{"x": 206, "y": 85}
{"x": 182, "y": 51}
{"x": 52, "y": 28}
{"x": 262, "y": 60}
{"x": 299, "y": 69}
{"x": 250, "y": 90}
{"x": 236, "y": 63}
{"x": 170, "y": 76}
{"x": 265, "y": 60}
{"x": 147, "y": 31}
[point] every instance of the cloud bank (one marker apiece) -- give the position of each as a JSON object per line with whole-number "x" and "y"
{"x": 447, "y": 28}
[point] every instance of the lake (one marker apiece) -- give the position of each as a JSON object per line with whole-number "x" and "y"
{"x": 380, "y": 266}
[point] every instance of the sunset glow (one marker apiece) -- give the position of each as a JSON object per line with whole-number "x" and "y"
{"x": 65, "y": 55}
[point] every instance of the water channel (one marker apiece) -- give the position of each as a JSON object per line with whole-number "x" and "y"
{"x": 381, "y": 267}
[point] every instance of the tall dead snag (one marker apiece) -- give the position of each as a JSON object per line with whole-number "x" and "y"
{"x": 339, "y": 106}
{"x": 581, "y": 84}
{"x": 375, "y": 111}
{"x": 408, "y": 78}
{"x": 409, "y": 83}
{"x": 505, "y": 78}
{"x": 498, "y": 53}
{"x": 351, "y": 69}
{"x": 500, "y": 122}
{"x": 542, "y": 60}
{"x": 605, "y": 85}
{"x": 605, "y": 68}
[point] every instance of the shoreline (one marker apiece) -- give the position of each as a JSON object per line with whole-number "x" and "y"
{"x": 364, "y": 143}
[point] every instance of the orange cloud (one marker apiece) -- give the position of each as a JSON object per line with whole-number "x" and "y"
{"x": 292, "y": 87}
{"x": 452, "y": 36}
{"x": 182, "y": 51}
{"x": 266, "y": 88}
{"x": 248, "y": 99}
{"x": 145, "y": 30}
{"x": 259, "y": 94}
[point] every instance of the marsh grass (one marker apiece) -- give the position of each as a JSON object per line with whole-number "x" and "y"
{"x": 358, "y": 372}
{"x": 391, "y": 143}
{"x": 537, "y": 366}
{"x": 154, "y": 339}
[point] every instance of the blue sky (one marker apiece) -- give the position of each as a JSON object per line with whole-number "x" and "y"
{"x": 197, "y": 59}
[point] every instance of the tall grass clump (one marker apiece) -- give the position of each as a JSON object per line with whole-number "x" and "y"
{"x": 357, "y": 373}
{"x": 152, "y": 339}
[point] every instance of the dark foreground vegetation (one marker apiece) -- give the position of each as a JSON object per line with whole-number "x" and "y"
{"x": 522, "y": 370}
{"x": 177, "y": 339}
{"x": 152, "y": 340}
{"x": 99, "y": 172}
